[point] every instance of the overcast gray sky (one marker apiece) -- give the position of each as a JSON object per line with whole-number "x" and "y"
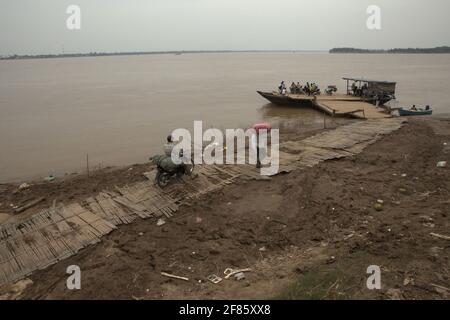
{"x": 39, "y": 27}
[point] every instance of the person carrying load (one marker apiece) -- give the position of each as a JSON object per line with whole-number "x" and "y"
{"x": 254, "y": 142}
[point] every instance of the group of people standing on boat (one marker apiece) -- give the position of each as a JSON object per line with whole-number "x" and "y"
{"x": 308, "y": 89}
{"x": 359, "y": 91}
{"x": 414, "y": 108}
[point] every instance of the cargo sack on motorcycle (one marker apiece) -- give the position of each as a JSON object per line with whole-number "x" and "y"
{"x": 165, "y": 163}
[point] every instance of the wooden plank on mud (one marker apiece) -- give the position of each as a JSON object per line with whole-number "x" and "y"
{"x": 29, "y": 205}
{"x": 113, "y": 210}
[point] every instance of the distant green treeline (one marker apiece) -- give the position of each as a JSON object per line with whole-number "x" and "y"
{"x": 443, "y": 49}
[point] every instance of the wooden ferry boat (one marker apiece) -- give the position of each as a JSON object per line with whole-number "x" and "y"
{"x": 363, "y": 99}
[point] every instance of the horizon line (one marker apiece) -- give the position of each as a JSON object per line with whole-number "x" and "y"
{"x": 123, "y": 53}
{"x": 105, "y": 53}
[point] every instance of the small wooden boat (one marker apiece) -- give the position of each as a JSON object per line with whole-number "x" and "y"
{"x": 419, "y": 112}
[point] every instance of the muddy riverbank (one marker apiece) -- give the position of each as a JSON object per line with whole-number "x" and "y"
{"x": 311, "y": 233}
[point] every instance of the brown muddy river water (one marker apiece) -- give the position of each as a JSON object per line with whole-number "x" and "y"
{"x": 119, "y": 110}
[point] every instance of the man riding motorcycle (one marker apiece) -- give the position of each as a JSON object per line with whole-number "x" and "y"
{"x": 168, "y": 147}
{"x": 167, "y": 168}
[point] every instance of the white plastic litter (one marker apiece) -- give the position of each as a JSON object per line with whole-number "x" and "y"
{"x": 441, "y": 164}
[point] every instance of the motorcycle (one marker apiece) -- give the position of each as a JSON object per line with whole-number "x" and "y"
{"x": 165, "y": 173}
{"x": 330, "y": 90}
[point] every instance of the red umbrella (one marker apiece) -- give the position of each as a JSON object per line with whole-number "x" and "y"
{"x": 262, "y": 126}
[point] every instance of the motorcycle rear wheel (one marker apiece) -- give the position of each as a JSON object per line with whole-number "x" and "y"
{"x": 162, "y": 179}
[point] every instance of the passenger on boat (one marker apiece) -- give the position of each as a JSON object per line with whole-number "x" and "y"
{"x": 427, "y": 107}
{"x": 282, "y": 87}
{"x": 307, "y": 88}
{"x": 364, "y": 89}
{"x": 293, "y": 88}
{"x": 414, "y": 108}
{"x": 354, "y": 89}
{"x": 314, "y": 89}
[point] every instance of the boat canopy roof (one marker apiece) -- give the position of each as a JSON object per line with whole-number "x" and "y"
{"x": 369, "y": 81}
